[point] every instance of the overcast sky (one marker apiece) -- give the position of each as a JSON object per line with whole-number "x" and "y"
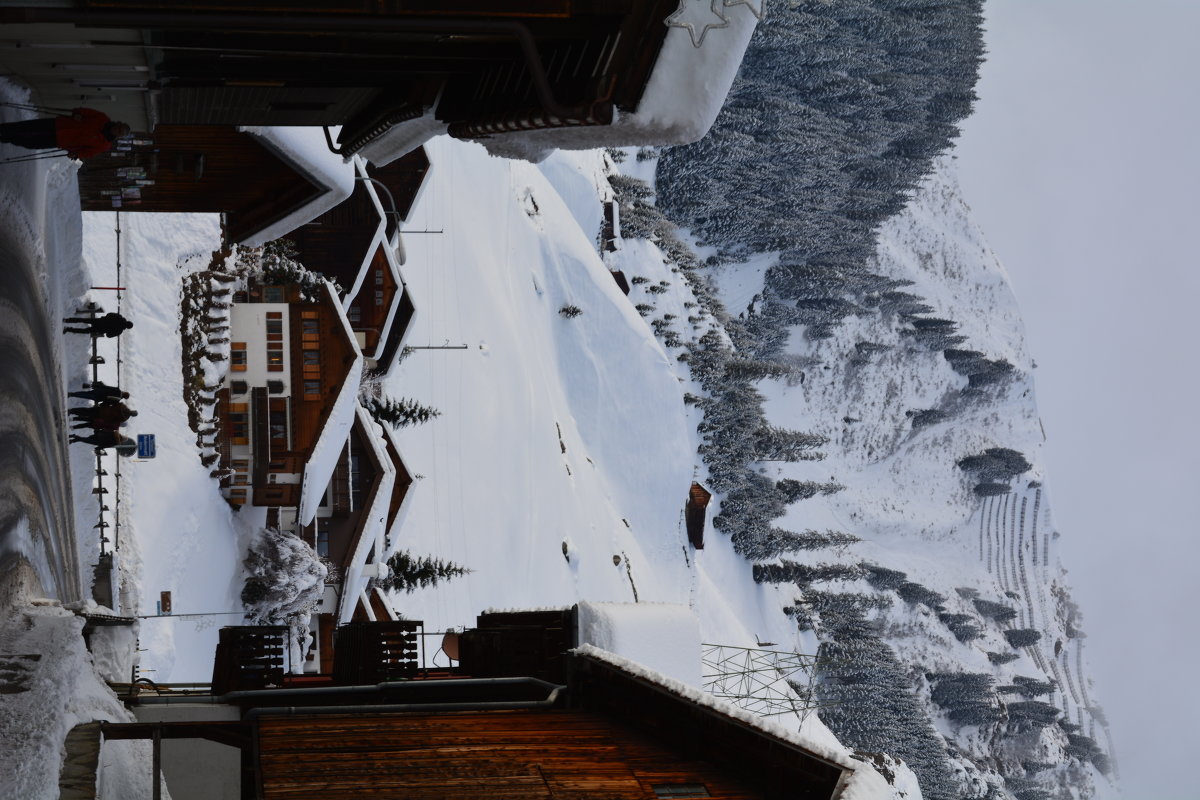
{"x": 1081, "y": 165}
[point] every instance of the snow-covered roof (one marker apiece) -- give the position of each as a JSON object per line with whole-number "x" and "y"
{"x": 860, "y": 782}
{"x": 373, "y": 524}
{"x": 328, "y": 448}
{"x": 405, "y": 504}
{"x": 402, "y": 138}
{"x": 306, "y": 150}
{"x": 377, "y": 240}
{"x": 683, "y": 96}
{"x": 664, "y": 637}
{"x": 391, "y": 253}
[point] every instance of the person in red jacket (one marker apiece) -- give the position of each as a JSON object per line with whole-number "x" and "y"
{"x": 83, "y": 133}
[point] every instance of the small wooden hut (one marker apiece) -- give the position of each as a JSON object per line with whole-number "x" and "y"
{"x": 694, "y": 513}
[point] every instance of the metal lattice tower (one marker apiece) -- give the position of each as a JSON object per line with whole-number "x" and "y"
{"x": 766, "y": 682}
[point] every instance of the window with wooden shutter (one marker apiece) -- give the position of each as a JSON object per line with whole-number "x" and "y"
{"x": 274, "y": 356}
{"x": 237, "y": 356}
{"x": 239, "y": 423}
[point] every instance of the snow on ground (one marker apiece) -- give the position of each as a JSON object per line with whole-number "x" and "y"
{"x": 49, "y": 681}
{"x": 555, "y": 432}
{"x": 52, "y": 683}
{"x": 663, "y": 637}
{"x": 177, "y": 533}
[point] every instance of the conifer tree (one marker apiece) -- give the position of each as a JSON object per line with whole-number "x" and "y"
{"x": 411, "y": 572}
{"x": 794, "y": 490}
{"x": 1022, "y": 637}
{"x": 399, "y": 413}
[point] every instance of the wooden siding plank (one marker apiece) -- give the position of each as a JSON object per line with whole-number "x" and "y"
{"x": 572, "y": 754}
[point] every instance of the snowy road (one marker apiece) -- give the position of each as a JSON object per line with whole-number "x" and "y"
{"x": 36, "y": 509}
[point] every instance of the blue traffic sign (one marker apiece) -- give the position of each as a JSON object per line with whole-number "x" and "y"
{"x": 146, "y": 445}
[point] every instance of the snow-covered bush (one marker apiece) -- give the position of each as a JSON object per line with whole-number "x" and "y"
{"x": 284, "y": 579}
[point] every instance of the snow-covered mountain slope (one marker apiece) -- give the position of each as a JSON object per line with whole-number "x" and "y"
{"x": 918, "y": 512}
{"x": 561, "y": 461}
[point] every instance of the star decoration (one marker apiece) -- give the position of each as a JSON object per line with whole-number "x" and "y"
{"x": 703, "y": 14}
{"x": 756, "y": 7}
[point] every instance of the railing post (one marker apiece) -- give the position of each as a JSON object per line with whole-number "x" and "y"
{"x": 157, "y": 767}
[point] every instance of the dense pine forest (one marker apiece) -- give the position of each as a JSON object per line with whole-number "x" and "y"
{"x": 838, "y": 114}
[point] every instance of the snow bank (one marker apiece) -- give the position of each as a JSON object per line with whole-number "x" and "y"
{"x": 307, "y": 151}
{"x": 663, "y": 637}
{"x": 49, "y": 686}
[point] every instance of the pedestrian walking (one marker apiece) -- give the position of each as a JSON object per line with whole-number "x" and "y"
{"x": 104, "y": 415}
{"x": 102, "y": 440}
{"x": 99, "y": 392}
{"x": 111, "y": 324}
{"x": 83, "y": 133}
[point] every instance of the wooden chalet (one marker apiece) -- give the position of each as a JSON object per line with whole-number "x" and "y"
{"x": 524, "y": 715}
{"x": 361, "y": 506}
{"x": 263, "y": 180}
{"x": 357, "y": 243}
{"x": 287, "y": 404}
{"x": 474, "y": 68}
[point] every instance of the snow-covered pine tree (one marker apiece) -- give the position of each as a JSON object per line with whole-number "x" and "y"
{"x": 794, "y": 490}
{"x": 772, "y": 443}
{"x": 411, "y": 572}
{"x": 399, "y": 413}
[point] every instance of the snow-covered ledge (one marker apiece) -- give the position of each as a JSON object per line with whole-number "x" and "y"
{"x": 683, "y": 96}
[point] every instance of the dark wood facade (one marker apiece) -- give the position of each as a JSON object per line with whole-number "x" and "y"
{"x": 602, "y": 733}
{"x": 199, "y": 169}
{"x": 402, "y": 179}
{"x": 337, "y": 244}
{"x": 369, "y": 310}
{"x": 357, "y": 481}
{"x": 590, "y": 728}
{"x": 481, "y": 66}
{"x": 551, "y": 754}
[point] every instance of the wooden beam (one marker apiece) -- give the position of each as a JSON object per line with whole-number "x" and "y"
{"x": 233, "y": 734}
{"x": 156, "y": 770}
